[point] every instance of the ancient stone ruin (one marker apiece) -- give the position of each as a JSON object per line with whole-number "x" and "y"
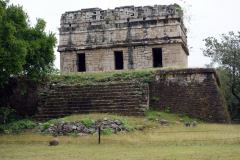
{"x": 128, "y": 37}
{"x": 124, "y": 38}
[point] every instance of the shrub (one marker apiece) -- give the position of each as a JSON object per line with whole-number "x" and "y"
{"x": 126, "y": 126}
{"x": 107, "y": 131}
{"x": 72, "y": 134}
{"x": 54, "y": 120}
{"x": 148, "y": 79}
{"x": 123, "y": 121}
{"x": 152, "y": 118}
{"x": 92, "y": 132}
{"x": 87, "y": 121}
{"x": 167, "y": 111}
{"x": 54, "y": 134}
{"x": 46, "y": 125}
{"x": 19, "y": 125}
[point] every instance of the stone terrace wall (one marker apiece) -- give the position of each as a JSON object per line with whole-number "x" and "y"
{"x": 192, "y": 92}
{"x": 21, "y": 95}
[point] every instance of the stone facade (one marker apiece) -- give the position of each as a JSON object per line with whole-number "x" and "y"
{"x": 128, "y": 37}
{"x": 192, "y": 92}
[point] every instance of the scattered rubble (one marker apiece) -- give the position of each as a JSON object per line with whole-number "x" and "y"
{"x": 81, "y": 129}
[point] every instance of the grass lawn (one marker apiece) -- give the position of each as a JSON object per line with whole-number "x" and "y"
{"x": 117, "y": 152}
{"x": 155, "y": 141}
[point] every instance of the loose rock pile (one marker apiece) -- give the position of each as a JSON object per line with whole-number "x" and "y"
{"x": 80, "y": 129}
{"x": 188, "y": 124}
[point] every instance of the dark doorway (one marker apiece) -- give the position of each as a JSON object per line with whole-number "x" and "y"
{"x": 118, "y": 60}
{"x": 157, "y": 57}
{"x": 81, "y": 63}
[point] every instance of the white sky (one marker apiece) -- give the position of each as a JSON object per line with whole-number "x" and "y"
{"x": 209, "y": 18}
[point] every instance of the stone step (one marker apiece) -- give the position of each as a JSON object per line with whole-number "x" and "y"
{"x": 110, "y": 85}
{"x": 116, "y": 110}
{"x": 96, "y": 95}
{"x": 123, "y": 99}
{"x": 93, "y": 99}
{"x": 87, "y": 104}
{"x": 100, "y": 107}
{"x": 99, "y": 89}
{"x": 92, "y": 102}
{"x": 89, "y": 92}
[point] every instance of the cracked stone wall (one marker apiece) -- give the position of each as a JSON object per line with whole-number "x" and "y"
{"x": 132, "y": 30}
{"x": 192, "y": 92}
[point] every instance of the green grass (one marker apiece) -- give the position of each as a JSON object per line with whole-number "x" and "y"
{"x": 206, "y": 141}
{"x": 95, "y": 78}
{"x": 117, "y": 152}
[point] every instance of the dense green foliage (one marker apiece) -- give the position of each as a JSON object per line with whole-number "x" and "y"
{"x": 4, "y": 112}
{"x": 88, "y": 121}
{"x": 46, "y": 125}
{"x": 19, "y": 126}
{"x": 227, "y": 54}
{"x": 107, "y": 131}
{"x": 24, "y": 50}
{"x": 226, "y": 88}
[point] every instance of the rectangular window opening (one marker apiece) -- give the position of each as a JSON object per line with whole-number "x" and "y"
{"x": 157, "y": 57}
{"x": 81, "y": 63}
{"x": 118, "y": 60}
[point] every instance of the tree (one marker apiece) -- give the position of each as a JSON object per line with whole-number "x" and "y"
{"x": 5, "y": 111}
{"x": 225, "y": 76}
{"x": 227, "y": 54}
{"x": 24, "y": 50}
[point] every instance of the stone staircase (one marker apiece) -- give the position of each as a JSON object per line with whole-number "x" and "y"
{"x": 121, "y": 98}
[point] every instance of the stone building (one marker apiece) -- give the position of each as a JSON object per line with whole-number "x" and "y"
{"x": 124, "y": 38}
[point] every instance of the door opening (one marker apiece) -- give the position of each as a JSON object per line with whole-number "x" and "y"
{"x": 81, "y": 63}
{"x": 118, "y": 60}
{"x": 157, "y": 57}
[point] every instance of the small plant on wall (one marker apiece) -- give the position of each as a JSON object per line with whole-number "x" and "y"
{"x": 167, "y": 111}
{"x": 155, "y": 99}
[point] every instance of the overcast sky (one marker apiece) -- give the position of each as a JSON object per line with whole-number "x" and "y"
{"x": 209, "y": 18}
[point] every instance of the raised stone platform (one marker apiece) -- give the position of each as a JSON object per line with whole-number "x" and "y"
{"x": 193, "y": 92}
{"x": 122, "y": 98}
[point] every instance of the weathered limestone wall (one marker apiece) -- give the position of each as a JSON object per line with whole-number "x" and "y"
{"x": 110, "y": 33}
{"x": 102, "y": 60}
{"x": 192, "y": 92}
{"x": 132, "y": 30}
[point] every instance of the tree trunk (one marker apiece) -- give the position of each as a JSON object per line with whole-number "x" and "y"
{"x": 233, "y": 85}
{"x": 4, "y": 123}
